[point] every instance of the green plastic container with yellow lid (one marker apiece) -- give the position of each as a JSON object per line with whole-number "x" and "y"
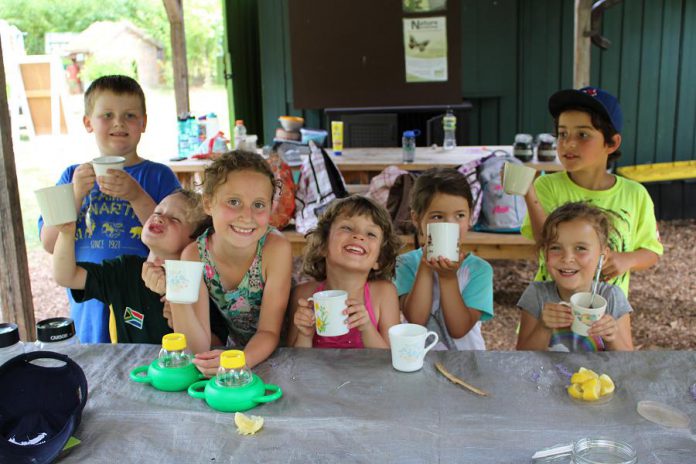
{"x": 235, "y": 388}
{"x": 173, "y": 370}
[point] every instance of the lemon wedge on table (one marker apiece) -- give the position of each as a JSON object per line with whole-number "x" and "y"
{"x": 247, "y": 425}
{"x": 575, "y": 390}
{"x": 606, "y": 385}
{"x": 590, "y": 390}
{"x": 583, "y": 375}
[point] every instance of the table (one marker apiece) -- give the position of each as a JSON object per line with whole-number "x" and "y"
{"x": 359, "y": 165}
{"x": 351, "y": 406}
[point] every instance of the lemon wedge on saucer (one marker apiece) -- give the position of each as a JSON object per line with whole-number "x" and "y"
{"x": 247, "y": 425}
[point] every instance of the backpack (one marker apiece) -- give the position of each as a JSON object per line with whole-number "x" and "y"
{"x": 399, "y": 204}
{"x": 381, "y": 184}
{"x": 500, "y": 212}
{"x": 283, "y": 208}
{"x": 320, "y": 183}
{"x": 470, "y": 171}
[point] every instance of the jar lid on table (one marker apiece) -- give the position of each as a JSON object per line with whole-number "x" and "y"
{"x": 55, "y": 329}
{"x": 9, "y": 334}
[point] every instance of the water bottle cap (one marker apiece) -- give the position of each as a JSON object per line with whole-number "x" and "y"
{"x": 174, "y": 342}
{"x": 232, "y": 359}
{"x": 55, "y": 329}
{"x": 9, "y": 334}
{"x": 409, "y": 133}
{"x": 239, "y": 122}
{"x": 213, "y": 115}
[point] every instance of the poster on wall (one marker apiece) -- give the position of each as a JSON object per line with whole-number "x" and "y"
{"x": 425, "y": 49}
{"x": 424, "y": 6}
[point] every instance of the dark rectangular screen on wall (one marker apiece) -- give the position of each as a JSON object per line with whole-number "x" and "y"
{"x": 350, "y": 53}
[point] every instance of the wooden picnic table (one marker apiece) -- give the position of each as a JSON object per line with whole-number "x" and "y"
{"x": 359, "y": 165}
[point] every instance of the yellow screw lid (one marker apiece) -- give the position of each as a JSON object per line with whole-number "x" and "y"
{"x": 232, "y": 359}
{"x": 174, "y": 342}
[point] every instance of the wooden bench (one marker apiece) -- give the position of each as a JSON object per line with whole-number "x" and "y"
{"x": 485, "y": 245}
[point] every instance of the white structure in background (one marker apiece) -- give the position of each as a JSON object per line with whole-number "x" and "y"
{"x": 56, "y": 43}
{"x": 121, "y": 42}
{"x": 12, "y": 41}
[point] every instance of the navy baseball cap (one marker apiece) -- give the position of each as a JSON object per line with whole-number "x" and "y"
{"x": 40, "y": 407}
{"x": 588, "y": 97}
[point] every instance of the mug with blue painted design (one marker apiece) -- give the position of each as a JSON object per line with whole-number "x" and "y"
{"x": 408, "y": 348}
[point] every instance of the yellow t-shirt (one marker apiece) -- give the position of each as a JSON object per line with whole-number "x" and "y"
{"x": 635, "y": 221}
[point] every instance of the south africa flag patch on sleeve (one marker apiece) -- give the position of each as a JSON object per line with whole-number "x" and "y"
{"x": 133, "y": 317}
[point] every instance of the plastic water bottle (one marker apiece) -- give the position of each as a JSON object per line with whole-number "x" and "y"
{"x": 408, "y": 144}
{"x": 10, "y": 346}
{"x": 233, "y": 371}
{"x": 174, "y": 352}
{"x": 182, "y": 127}
{"x": 212, "y": 125}
{"x": 449, "y": 125}
{"x": 192, "y": 134}
{"x": 240, "y": 133}
{"x": 202, "y": 128}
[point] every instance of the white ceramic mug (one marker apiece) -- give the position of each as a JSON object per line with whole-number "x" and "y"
{"x": 408, "y": 346}
{"x": 517, "y": 178}
{"x": 102, "y": 164}
{"x": 183, "y": 280}
{"x": 583, "y": 315}
{"x": 443, "y": 240}
{"x": 328, "y": 312}
{"x": 57, "y": 204}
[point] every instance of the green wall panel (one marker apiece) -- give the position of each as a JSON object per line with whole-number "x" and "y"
{"x": 516, "y": 53}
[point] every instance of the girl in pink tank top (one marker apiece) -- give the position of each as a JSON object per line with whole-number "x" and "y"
{"x": 354, "y": 249}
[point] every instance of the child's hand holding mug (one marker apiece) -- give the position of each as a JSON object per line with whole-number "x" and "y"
{"x": 154, "y": 276}
{"x": 83, "y": 180}
{"x": 304, "y": 318}
{"x": 556, "y": 316}
{"x": 606, "y": 327}
{"x": 358, "y": 317}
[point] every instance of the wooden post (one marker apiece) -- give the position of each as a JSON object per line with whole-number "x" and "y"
{"x": 581, "y": 62}
{"x": 16, "y": 304}
{"x": 175, "y": 13}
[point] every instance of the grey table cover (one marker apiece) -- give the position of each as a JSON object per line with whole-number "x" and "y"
{"x": 352, "y": 406}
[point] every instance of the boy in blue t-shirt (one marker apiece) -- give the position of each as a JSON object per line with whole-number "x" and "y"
{"x": 113, "y": 208}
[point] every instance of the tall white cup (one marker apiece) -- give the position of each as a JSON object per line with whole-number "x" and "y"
{"x": 517, "y": 178}
{"x": 408, "y": 346}
{"x": 57, "y": 204}
{"x": 328, "y": 312}
{"x": 443, "y": 240}
{"x": 183, "y": 280}
{"x": 584, "y": 315}
{"x": 104, "y": 163}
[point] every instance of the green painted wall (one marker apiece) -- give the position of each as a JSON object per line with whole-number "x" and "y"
{"x": 515, "y": 53}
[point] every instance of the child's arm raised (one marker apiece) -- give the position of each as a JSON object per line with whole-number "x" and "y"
{"x": 302, "y": 325}
{"x": 537, "y": 215}
{"x": 277, "y": 268}
{"x": 120, "y": 184}
{"x": 417, "y": 303}
{"x": 193, "y": 320}
{"x": 66, "y": 272}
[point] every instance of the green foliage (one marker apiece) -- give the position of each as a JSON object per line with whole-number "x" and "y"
{"x": 94, "y": 68}
{"x": 202, "y": 18}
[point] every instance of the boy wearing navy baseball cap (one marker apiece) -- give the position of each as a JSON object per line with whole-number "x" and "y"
{"x": 588, "y": 124}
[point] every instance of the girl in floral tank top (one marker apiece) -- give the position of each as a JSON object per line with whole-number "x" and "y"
{"x": 237, "y": 253}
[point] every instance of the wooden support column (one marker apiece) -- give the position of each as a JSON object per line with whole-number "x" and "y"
{"x": 175, "y": 13}
{"x": 16, "y": 304}
{"x": 581, "y": 56}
